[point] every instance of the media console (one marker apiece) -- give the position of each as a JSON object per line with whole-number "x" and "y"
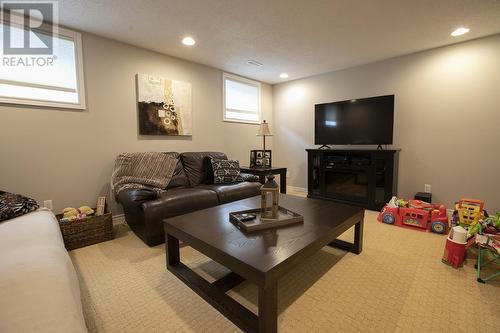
{"x": 366, "y": 178}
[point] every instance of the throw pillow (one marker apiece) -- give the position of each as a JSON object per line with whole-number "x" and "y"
{"x": 226, "y": 171}
{"x": 13, "y": 205}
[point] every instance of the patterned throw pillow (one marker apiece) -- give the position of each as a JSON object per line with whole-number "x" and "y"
{"x": 13, "y": 205}
{"x": 226, "y": 171}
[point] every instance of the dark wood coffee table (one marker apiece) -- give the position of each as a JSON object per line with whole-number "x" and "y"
{"x": 260, "y": 257}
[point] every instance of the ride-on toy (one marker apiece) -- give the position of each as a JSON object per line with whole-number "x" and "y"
{"x": 415, "y": 214}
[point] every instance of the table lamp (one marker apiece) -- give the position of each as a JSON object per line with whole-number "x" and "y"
{"x": 263, "y": 132}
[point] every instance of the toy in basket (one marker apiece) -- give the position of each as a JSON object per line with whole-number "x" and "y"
{"x": 415, "y": 214}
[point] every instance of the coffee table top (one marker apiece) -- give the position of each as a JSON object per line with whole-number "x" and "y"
{"x": 268, "y": 251}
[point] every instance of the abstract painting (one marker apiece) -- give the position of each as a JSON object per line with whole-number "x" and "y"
{"x": 164, "y": 106}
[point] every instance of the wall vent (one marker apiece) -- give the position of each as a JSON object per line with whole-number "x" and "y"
{"x": 254, "y": 63}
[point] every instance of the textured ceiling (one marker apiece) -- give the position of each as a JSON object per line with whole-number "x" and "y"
{"x": 300, "y": 37}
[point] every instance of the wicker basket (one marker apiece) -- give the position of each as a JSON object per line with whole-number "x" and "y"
{"x": 92, "y": 230}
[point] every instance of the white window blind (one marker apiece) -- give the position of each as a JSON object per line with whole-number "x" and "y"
{"x": 241, "y": 99}
{"x": 54, "y": 80}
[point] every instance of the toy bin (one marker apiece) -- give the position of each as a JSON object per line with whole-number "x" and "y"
{"x": 454, "y": 253}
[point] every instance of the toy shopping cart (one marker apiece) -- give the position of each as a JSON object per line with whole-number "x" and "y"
{"x": 468, "y": 211}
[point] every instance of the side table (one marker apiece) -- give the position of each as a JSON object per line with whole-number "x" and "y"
{"x": 262, "y": 172}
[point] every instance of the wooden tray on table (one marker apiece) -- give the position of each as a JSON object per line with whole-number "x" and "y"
{"x": 285, "y": 217}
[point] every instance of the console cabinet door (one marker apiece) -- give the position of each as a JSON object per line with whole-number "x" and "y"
{"x": 364, "y": 178}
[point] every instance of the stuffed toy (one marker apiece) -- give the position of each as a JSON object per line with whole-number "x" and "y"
{"x": 86, "y": 210}
{"x": 71, "y": 214}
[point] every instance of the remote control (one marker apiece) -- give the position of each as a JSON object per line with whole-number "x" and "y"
{"x": 247, "y": 217}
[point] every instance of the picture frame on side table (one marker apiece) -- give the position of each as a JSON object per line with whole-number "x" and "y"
{"x": 260, "y": 158}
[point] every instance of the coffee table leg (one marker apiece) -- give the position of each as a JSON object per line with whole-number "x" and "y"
{"x": 355, "y": 247}
{"x": 268, "y": 309}
{"x": 173, "y": 257}
{"x": 358, "y": 237}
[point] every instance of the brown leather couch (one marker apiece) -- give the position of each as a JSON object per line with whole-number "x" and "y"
{"x": 190, "y": 189}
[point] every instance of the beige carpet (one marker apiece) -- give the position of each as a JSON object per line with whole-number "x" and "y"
{"x": 397, "y": 284}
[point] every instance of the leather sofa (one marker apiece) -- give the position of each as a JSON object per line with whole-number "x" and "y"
{"x": 191, "y": 188}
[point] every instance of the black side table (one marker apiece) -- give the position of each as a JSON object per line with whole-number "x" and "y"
{"x": 262, "y": 172}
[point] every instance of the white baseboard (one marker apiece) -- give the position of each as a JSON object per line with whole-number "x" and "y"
{"x": 296, "y": 189}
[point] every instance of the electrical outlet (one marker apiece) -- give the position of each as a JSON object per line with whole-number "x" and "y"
{"x": 428, "y": 188}
{"x": 47, "y": 204}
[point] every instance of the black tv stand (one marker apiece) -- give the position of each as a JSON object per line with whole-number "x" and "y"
{"x": 379, "y": 147}
{"x": 324, "y": 146}
{"x": 366, "y": 178}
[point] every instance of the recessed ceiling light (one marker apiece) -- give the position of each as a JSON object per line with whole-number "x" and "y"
{"x": 189, "y": 41}
{"x": 460, "y": 31}
{"x": 283, "y": 75}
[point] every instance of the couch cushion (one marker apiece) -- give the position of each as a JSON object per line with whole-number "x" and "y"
{"x": 13, "y": 205}
{"x": 232, "y": 192}
{"x": 179, "y": 178}
{"x": 197, "y": 166}
{"x": 225, "y": 171}
{"x": 174, "y": 202}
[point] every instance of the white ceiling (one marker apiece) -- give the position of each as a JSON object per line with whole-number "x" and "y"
{"x": 300, "y": 37}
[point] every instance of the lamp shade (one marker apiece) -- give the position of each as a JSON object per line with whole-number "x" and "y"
{"x": 264, "y": 129}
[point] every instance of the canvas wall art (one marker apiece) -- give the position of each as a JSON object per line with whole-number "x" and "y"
{"x": 165, "y": 106}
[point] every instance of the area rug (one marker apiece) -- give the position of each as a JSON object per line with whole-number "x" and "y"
{"x": 397, "y": 284}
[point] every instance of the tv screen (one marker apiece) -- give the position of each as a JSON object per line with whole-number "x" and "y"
{"x": 363, "y": 121}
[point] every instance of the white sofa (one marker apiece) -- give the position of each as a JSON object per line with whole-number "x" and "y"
{"x": 39, "y": 290}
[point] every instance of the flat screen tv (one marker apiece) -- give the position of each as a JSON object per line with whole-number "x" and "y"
{"x": 366, "y": 121}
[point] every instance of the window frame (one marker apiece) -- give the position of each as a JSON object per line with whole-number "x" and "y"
{"x": 243, "y": 80}
{"x": 76, "y": 37}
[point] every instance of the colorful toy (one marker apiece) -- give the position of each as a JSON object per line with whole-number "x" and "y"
{"x": 454, "y": 253}
{"x": 468, "y": 211}
{"x": 494, "y": 220}
{"x": 474, "y": 228}
{"x": 415, "y": 214}
{"x": 485, "y": 225}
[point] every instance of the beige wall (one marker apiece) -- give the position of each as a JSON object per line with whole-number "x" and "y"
{"x": 447, "y": 118}
{"x": 447, "y": 122}
{"x": 67, "y": 156}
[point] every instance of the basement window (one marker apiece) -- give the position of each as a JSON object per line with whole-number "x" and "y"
{"x": 241, "y": 99}
{"x": 54, "y": 79}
